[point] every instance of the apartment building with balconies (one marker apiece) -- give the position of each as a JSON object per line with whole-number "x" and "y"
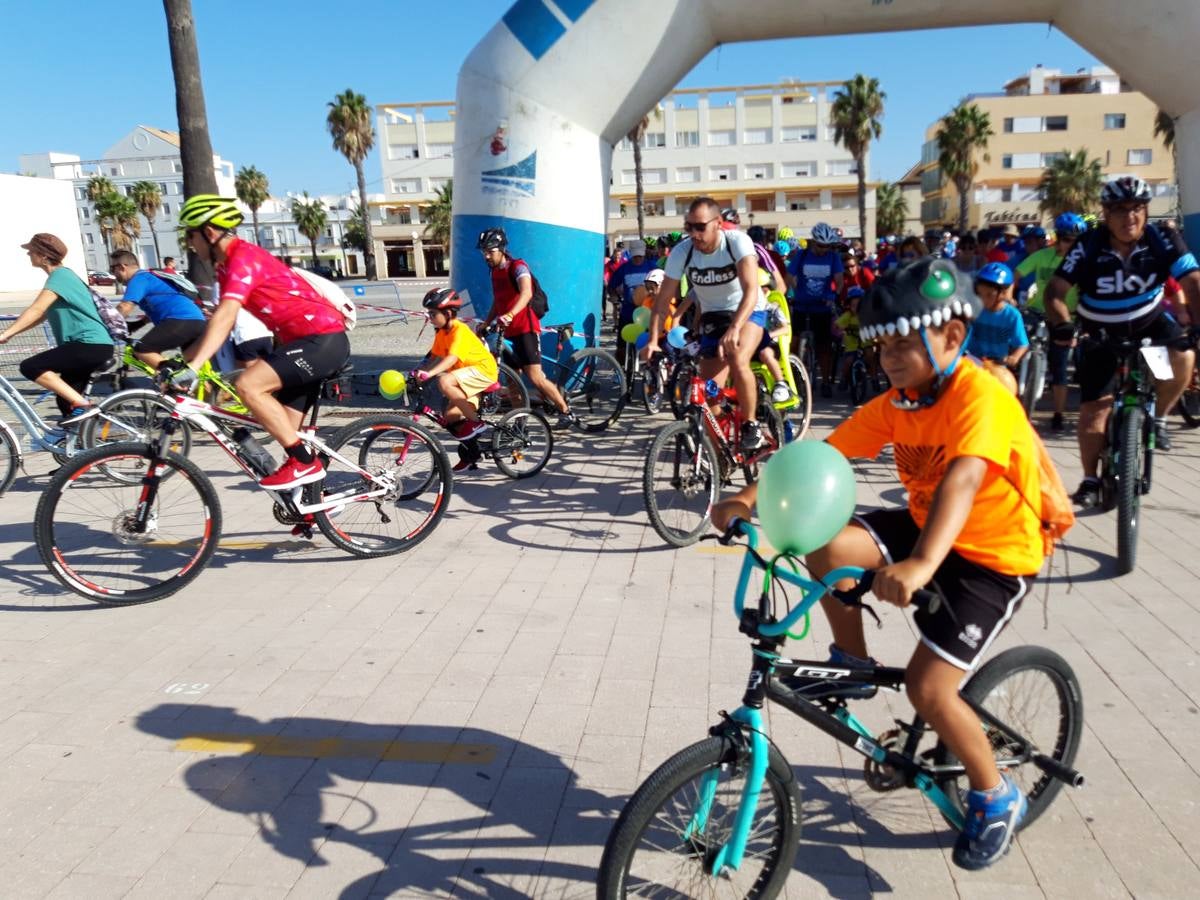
{"x": 1042, "y": 114}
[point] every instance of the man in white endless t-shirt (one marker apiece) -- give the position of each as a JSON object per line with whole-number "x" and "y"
{"x": 722, "y": 269}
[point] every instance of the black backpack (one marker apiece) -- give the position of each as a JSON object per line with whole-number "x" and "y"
{"x": 539, "y": 303}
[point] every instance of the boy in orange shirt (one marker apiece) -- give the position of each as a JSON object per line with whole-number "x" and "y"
{"x": 966, "y": 454}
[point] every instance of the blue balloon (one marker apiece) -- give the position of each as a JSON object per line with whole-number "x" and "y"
{"x": 677, "y": 337}
{"x": 642, "y": 340}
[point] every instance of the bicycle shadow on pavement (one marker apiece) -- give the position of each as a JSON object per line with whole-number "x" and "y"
{"x": 467, "y": 810}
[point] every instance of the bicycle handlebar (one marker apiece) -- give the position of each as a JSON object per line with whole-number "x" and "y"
{"x": 930, "y": 601}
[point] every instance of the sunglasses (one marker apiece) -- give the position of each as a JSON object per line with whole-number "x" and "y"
{"x": 698, "y": 226}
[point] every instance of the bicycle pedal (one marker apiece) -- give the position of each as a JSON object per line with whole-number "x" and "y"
{"x": 302, "y": 530}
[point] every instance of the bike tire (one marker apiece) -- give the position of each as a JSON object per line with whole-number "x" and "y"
{"x": 1189, "y": 404}
{"x": 499, "y": 402}
{"x": 1035, "y": 381}
{"x": 658, "y": 830}
{"x": 679, "y": 386}
{"x": 593, "y": 384}
{"x": 679, "y": 501}
{"x": 1130, "y": 444}
{"x": 401, "y": 519}
{"x": 114, "y": 564}
{"x": 137, "y": 415}
{"x": 654, "y": 386}
{"x": 522, "y": 443}
{"x": 10, "y": 458}
{"x": 858, "y": 383}
{"x": 802, "y": 415}
{"x": 1009, "y": 702}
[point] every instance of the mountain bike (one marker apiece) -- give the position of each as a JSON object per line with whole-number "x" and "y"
{"x": 1127, "y": 461}
{"x": 387, "y": 486}
{"x": 520, "y": 441}
{"x": 1031, "y": 373}
{"x": 590, "y": 379}
{"x": 690, "y": 459}
{"x": 723, "y": 816}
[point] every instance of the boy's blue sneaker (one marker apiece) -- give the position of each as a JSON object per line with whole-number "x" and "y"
{"x": 992, "y": 819}
{"x": 819, "y": 688}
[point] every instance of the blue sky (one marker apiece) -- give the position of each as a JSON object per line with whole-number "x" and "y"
{"x": 84, "y": 76}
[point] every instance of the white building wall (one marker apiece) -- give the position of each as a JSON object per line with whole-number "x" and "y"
{"x": 35, "y": 205}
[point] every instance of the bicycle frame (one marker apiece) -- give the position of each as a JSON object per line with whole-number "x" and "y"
{"x": 207, "y": 375}
{"x": 42, "y": 436}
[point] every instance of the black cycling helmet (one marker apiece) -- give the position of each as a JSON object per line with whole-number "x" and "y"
{"x": 443, "y": 299}
{"x": 757, "y": 233}
{"x": 1126, "y": 189}
{"x": 492, "y": 239}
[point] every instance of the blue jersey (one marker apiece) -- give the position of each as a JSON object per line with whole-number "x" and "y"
{"x": 1115, "y": 289}
{"x": 814, "y": 280}
{"x": 996, "y": 333}
{"x": 630, "y": 276}
{"x": 159, "y": 299}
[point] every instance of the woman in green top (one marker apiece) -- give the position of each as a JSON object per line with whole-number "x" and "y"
{"x": 83, "y": 342}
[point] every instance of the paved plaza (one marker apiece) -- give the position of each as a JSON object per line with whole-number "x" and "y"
{"x": 467, "y": 719}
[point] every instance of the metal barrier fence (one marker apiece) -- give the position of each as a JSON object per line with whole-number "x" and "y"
{"x": 25, "y": 344}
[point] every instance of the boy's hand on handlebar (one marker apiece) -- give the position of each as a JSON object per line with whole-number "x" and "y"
{"x": 648, "y": 351}
{"x": 897, "y": 583}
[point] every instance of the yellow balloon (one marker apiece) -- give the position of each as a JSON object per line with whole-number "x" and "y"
{"x": 393, "y": 383}
{"x": 630, "y": 332}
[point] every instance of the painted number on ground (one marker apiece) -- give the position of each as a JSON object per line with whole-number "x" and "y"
{"x": 187, "y": 688}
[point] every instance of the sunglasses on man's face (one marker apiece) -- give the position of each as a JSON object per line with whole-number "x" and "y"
{"x": 697, "y": 226}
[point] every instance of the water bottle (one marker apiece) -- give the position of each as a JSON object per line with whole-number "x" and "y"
{"x": 259, "y": 458}
{"x": 711, "y": 389}
{"x": 789, "y": 431}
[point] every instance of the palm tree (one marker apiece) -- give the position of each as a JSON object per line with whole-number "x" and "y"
{"x": 311, "y": 219}
{"x": 1071, "y": 183}
{"x": 252, "y": 189}
{"x": 855, "y": 113}
{"x": 960, "y": 135}
{"x": 349, "y": 121}
{"x": 99, "y": 187}
{"x": 146, "y": 196}
{"x": 438, "y": 215}
{"x": 1164, "y": 127}
{"x": 636, "y": 136}
{"x": 117, "y": 217}
{"x": 354, "y": 234}
{"x": 891, "y": 209}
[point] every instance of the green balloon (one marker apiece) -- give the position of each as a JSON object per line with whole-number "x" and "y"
{"x": 630, "y": 332}
{"x": 805, "y": 496}
{"x": 389, "y": 395}
{"x": 641, "y": 316}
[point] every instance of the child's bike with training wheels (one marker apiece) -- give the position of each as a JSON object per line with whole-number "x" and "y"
{"x": 146, "y": 533}
{"x": 722, "y": 817}
{"x": 519, "y": 441}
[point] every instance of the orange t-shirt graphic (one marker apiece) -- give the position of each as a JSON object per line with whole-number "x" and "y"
{"x": 974, "y": 416}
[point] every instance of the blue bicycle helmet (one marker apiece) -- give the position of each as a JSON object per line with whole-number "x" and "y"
{"x": 996, "y": 273}
{"x": 1033, "y": 231}
{"x": 783, "y": 248}
{"x": 824, "y": 234}
{"x": 1070, "y": 224}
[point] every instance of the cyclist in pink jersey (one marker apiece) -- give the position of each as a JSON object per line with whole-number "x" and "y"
{"x": 311, "y": 341}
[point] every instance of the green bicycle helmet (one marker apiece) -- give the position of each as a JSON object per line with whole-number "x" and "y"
{"x": 210, "y": 209}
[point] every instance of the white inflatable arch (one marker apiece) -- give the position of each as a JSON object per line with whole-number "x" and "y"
{"x": 550, "y": 89}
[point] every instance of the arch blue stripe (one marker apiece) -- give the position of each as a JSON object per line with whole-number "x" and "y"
{"x": 532, "y": 23}
{"x": 574, "y": 9}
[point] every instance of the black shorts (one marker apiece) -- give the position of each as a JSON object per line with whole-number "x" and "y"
{"x": 170, "y": 334}
{"x": 74, "y": 362}
{"x": 255, "y": 348}
{"x": 982, "y": 600}
{"x": 526, "y": 350}
{"x": 303, "y": 364}
{"x": 1096, "y": 371}
{"x": 819, "y": 323}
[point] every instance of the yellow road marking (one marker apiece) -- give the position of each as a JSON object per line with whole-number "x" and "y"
{"x": 338, "y": 748}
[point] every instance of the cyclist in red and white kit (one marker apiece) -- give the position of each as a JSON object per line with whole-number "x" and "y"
{"x": 311, "y": 341}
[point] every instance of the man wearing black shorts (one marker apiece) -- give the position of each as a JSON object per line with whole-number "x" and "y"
{"x": 512, "y": 291}
{"x": 177, "y": 322}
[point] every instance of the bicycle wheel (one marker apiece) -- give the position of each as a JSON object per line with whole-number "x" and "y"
{"x": 680, "y": 483}
{"x": 654, "y": 385}
{"x": 802, "y": 414}
{"x": 1130, "y": 444}
{"x": 593, "y": 385}
{"x": 411, "y": 460}
{"x": 1189, "y": 403}
{"x": 667, "y": 836}
{"x": 858, "y": 382}
{"x": 522, "y": 443}
{"x": 133, "y": 415}
{"x": 10, "y": 454}
{"x": 1034, "y": 691}
{"x": 84, "y": 526}
{"x": 679, "y": 386}
{"x": 1035, "y": 380}
{"x": 512, "y": 391}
